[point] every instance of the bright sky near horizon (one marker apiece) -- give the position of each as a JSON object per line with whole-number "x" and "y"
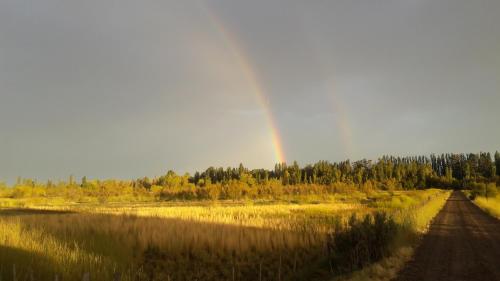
{"x": 123, "y": 89}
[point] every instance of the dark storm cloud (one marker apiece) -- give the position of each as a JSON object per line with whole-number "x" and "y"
{"x": 131, "y": 88}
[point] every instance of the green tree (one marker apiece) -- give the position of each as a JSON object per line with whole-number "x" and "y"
{"x": 497, "y": 162}
{"x": 467, "y": 173}
{"x": 449, "y": 173}
{"x": 286, "y": 178}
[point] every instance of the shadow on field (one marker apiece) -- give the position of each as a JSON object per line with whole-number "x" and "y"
{"x": 155, "y": 248}
{"x": 18, "y": 264}
{"x": 22, "y": 211}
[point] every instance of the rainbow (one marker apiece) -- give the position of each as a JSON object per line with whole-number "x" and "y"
{"x": 250, "y": 74}
{"x": 341, "y": 117}
{"x": 342, "y": 124}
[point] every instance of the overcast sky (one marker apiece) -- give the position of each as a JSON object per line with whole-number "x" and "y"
{"x": 126, "y": 88}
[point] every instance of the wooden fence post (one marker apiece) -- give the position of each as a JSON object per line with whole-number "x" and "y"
{"x": 117, "y": 276}
{"x": 295, "y": 263}
{"x": 260, "y": 271}
{"x": 279, "y": 270}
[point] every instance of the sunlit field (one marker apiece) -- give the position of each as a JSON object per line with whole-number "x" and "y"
{"x": 249, "y": 140}
{"x": 192, "y": 241}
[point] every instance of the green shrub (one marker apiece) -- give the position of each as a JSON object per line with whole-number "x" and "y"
{"x": 361, "y": 242}
{"x": 482, "y": 189}
{"x": 477, "y": 189}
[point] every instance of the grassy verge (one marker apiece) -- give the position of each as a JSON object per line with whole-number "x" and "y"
{"x": 411, "y": 222}
{"x": 490, "y": 205}
{"x": 384, "y": 270}
{"x": 486, "y": 196}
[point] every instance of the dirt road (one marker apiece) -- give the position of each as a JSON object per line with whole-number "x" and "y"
{"x": 463, "y": 243}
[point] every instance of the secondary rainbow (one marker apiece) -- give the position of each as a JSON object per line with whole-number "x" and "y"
{"x": 251, "y": 75}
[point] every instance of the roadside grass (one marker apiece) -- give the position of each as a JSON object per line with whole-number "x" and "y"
{"x": 384, "y": 270}
{"x": 412, "y": 223}
{"x": 490, "y": 205}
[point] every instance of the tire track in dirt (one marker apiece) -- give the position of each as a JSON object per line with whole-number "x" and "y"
{"x": 463, "y": 244}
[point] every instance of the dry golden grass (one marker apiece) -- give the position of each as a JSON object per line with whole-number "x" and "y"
{"x": 490, "y": 205}
{"x": 178, "y": 242}
{"x": 131, "y": 242}
{"x": 385, "y": 270}
{"x": 38, "y": 249}
{"x": 279, "y": 216}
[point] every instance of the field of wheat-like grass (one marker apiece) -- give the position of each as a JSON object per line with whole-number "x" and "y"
{"x": 186, "y": 241}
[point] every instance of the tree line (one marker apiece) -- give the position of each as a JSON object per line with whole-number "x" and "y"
{"x": 388, "y": 173}
{"x": 445, "y": 170}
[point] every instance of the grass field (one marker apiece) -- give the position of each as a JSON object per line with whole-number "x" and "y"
{"x": 190, "y": 241}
